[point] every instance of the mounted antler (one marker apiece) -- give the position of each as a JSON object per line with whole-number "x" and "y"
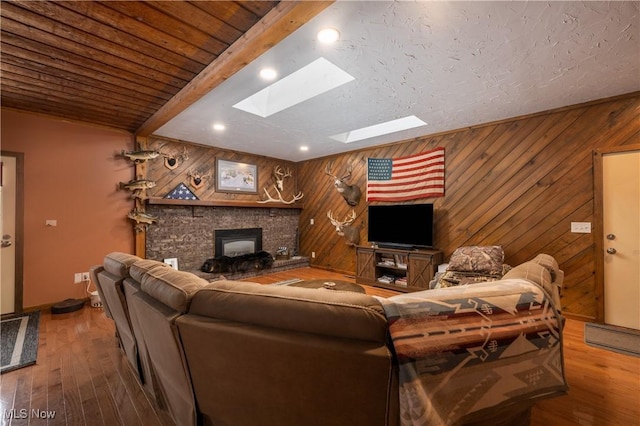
{"x": 341, "y": 224}
{"x": 350, "y": 193}
{"x": 345, "y": 229}
{"x": 197, "y": 177}
{"x": 172, "y": 159}
{"x": 279, "y": 176}
{"x": 269, "y": 199}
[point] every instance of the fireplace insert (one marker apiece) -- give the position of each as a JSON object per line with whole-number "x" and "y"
{"x": 236, "y": 242}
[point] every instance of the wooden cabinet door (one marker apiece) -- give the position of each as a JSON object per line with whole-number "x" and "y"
{"x": 365, "y": 265}
{"x": 420, "y": 270}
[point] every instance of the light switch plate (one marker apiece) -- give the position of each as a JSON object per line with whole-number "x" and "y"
{"x": 581, "y": 227}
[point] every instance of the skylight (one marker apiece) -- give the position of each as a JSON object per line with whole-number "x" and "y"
{"x": 312, "y": 80}
{"x": 380, "y": 129}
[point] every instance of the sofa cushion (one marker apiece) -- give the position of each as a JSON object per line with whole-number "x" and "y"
{"x": 168, "y": 286}
{"x": 141, "y": 267}
{"x": 118, "y": 263}
{"x": 479, "y": 259}
{"x": 319, "y": 311}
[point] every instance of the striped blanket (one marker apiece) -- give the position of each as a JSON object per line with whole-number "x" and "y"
{"x": 465, "y": 351}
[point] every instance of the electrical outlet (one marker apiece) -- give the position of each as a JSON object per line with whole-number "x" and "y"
{"x": 313, "y": 254}
{"x": 77, "y": 278}
{"x": 85, "y": 277}
{"x": 173, "y": 262}
{"x": 311, "y": 221}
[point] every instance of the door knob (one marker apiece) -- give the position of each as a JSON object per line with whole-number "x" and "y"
{"x": 611, "y": 237}
{"x": 5, "y": 243}
{"x": 611, "y": 250}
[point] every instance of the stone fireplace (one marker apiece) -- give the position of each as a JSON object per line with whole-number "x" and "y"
{"x": 187, "y": 232}
{"x": 236, "y": 242}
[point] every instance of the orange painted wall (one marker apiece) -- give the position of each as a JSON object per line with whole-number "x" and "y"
{"x": 71, "y": 174}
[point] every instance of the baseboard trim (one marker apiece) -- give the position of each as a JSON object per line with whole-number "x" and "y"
{"x": 578, "y": 317}
{"x": 47, "y": 307}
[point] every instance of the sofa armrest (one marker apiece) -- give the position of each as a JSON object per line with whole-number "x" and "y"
{"x": 542, "y": 270}
{"x": 463, "y": 351}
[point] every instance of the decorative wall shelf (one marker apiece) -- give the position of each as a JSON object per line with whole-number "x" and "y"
{"x": 222, "y": 203}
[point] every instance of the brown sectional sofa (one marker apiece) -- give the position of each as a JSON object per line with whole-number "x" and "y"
{"x": 298, "y": 356}
{"x": 237, "y": 353}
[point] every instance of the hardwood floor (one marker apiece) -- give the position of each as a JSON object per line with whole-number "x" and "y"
{"x": 604, "y": 386}
{"x": 82, "y": 376}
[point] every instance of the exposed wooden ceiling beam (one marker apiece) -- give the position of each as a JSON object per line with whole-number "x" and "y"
{"x": 281, "y": 21}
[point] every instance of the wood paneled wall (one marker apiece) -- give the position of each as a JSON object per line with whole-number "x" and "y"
{"x": 517, "y": 183}
{"x": 203, "y": 159}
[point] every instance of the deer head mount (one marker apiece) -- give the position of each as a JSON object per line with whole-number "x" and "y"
{"x": 279, "y": 175}
{"x": 350, "y": 193}
{"x": 345, "y": 228}
{"x": 197, "y": 177}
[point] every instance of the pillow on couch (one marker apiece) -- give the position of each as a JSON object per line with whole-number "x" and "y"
{"x": 472, "y": 264}
{"x": 479, "y": 259}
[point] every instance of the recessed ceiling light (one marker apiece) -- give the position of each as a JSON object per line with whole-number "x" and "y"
{"x": 268, "y": 73}
{"x": 312, "y": 80}
{"x": 380, "y": 129}
{"x": 219, "y": 127}
{"x": 328, "y": 35}
{"x": 304, "y": 148}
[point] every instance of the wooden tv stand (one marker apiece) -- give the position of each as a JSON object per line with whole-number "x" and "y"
{"x": 407, "y": 270}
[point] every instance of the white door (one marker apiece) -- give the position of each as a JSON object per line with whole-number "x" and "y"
{"x": 621, "y": 225}
{"x": 7, "y": 249}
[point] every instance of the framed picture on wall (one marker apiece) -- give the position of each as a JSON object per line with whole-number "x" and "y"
{"x": 232, "y": 176}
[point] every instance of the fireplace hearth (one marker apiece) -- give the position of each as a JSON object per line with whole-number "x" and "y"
{"x": 238, "y": 264}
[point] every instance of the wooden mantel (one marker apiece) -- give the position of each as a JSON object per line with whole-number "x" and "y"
{"x": 222, "y": 203}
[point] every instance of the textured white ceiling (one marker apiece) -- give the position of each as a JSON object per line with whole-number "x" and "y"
{"x": 451, "y": 64}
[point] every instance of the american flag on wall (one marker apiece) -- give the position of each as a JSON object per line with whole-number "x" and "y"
{"x": 406, "y": 178}
{"x": 181, "y": 192}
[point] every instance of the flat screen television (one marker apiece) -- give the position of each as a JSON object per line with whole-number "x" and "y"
{"x": 401, "y": 225}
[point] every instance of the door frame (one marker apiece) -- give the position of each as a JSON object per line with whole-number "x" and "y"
{"x": 18, "y": 238}
{"x": 598, "y": 215}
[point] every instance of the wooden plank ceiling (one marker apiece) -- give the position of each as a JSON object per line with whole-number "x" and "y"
{"x": 113, "y": 63}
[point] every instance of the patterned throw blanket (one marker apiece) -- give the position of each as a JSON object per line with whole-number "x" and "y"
{"x": 470, "y": 349}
